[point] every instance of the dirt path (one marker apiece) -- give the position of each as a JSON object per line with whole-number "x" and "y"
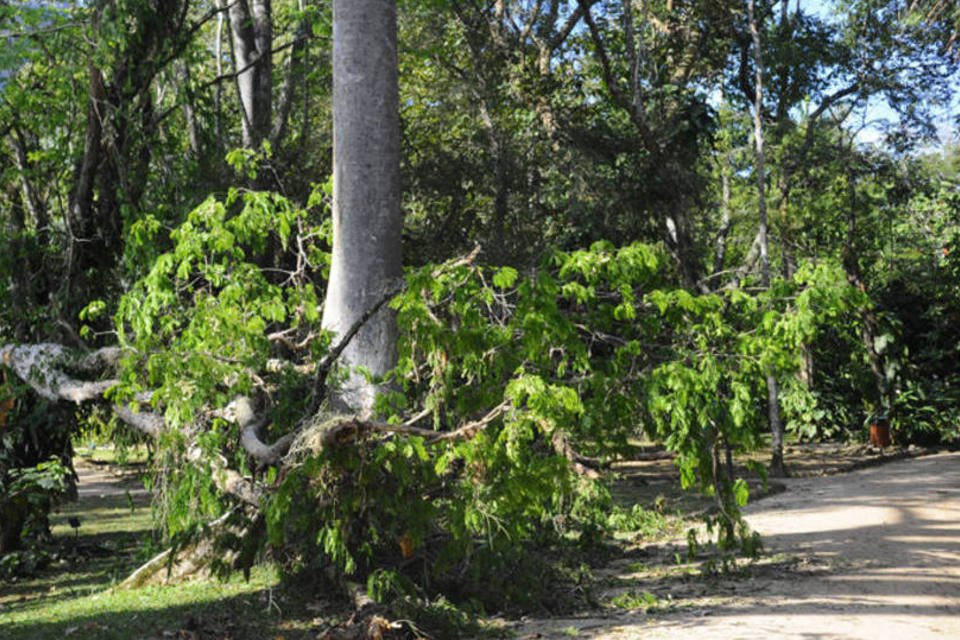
{"x": 870, "y": 554}
{"x": 104, "y": 481}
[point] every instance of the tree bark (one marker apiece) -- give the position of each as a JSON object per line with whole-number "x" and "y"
{"x": 366, "y": 258}
{"x": 773, "y": 402}
{"x": 296, "y": 71}
{"x": 252, "y": 32}
{"x": 189, "y": 114}
{"x": 32, "y": 200}
{"x": 726, "y": 215}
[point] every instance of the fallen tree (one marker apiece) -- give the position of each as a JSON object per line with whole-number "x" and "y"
{"x": 509, "y": 394}
{"x": 48, "y": 369}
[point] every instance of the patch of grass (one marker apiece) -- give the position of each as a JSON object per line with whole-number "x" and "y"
{"x": 643, "y": 600}
{"x": 72, "y": 597}
{"x": 146, "y": 612}
{"x": 114, "y": 536}
{"x": 109, "y": 454}
{"x": 127, "y": 513}
{"x": 637, "y": 523}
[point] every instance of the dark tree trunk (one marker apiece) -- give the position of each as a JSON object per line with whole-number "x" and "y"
{"x": 111, "y": 174}
{"x": 13, "y": 516}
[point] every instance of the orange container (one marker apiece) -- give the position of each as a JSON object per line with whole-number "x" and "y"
{"x": 880, "y": 433}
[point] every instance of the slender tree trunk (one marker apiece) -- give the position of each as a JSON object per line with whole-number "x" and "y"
{"x": 12, "y": 518}
{"x": 189, "y": 115}
{"x": 773, "y": 401}
{"x": 296, "y": 70}
{"x": 32, "y": 200}
{"x": 218, "y": 55}
{"x": 81, "y": 217}
{"x": 498, "y": 248}
{"x": 726, "y": 220}
{"x": 19, "y": 283}
{"x": 786, "y": 232}
{"x": 759, "y": 152}
{"x": 869, "y": 325}
{"x": 366, "y": 189}
{"x": 252, "y": 31}
{"x": 805, "y": 374}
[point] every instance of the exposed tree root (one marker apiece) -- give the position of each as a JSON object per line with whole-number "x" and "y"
{"x": 175, "y": 565}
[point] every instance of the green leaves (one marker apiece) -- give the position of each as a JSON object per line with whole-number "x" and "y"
{"x": 584, "y": 350}
{"x": 741, "y": 492}
{"x": 38, "y": 484}
{"x": 196, "y": 324}
{"x": 505, "y": 277}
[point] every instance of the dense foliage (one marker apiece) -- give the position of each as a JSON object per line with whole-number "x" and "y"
{"x": 576, "y": 356}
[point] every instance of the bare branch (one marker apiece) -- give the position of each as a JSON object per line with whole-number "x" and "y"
{"x": 227, "y": 480}
{"x": 825, "y": 104}
{"x": 612, "y": 83}
{"x": 349, "y": 431}
{"x": 572, "y": 21}
{"x": 581, "y": 464}
{"x": 160, "y": 117}
{"x": 531, "y": 21}
{"x": 148, "y": 422}
{"x": 39, "y": 366}
{"x": 241, "y": 411}
{"x": 99, "y": 360}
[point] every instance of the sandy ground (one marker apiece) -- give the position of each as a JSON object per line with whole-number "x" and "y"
{"x": 104, "y": 481}
{"x": 870, "y": 554}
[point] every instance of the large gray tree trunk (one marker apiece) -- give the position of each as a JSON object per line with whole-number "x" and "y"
{"x": 366, "y": 189}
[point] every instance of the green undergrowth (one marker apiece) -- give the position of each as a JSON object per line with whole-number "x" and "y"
{"x": 113, "y": 537}
{"x": 73, "y": 595}
{"x": 529, "y": 379}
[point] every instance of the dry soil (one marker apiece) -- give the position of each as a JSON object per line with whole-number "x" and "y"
{"x": 870, "y": 554}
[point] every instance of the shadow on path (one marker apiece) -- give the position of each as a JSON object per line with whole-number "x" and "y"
{"x": 871, "y": 554}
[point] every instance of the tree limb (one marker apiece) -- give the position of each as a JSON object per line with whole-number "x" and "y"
{"x": 572, "y": 21}
{"x": 352, "y": 430}
{"x": 39, "y": 366}
{"x": 147, "y": 422}
{"x": 610, "y": 80}
{"x": 294, "y": 71}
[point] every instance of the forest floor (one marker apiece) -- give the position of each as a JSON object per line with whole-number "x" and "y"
{"x": 857, "y": 545}
{"x": 873, "y": 553}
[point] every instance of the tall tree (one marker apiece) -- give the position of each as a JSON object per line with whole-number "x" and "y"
{"x": 773, "y": 400}
{"x": 654, "y": 59}
{"x": 366, "y": 258}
